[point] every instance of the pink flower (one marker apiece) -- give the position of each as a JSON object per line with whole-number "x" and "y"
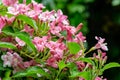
{"x": 20, "y": 42}
{"x": 47, "y": 16}
{"x": 101, "y": 44}
{"x": 79, "y": 37}
{"x": 40, "y": 42}
{"x": 18, "y": 9}
{"x": 98, "y": 78}
{"x": 79, "y": 27}
{"x": 52, "y": 62}
{"x": 80, "y": 65}
{"x": 10, "y": 20}
{"x": 28, "y": 30}
{"x": 2, "y": 22}
{"x": 9, "y": 2}
{"x": 56, "y": 49}
{"x": 37, "y": 7}
{"x": 33, "y": 14}
{"x": 55, "y": 29}
{"x": 11, "y": 59}
{"x": 81, "y": 78}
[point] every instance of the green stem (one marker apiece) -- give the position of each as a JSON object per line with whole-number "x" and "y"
{"x": 58, "y": 75}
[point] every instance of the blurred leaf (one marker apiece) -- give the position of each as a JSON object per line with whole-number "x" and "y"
{"x": 76, "y": 8}
{"x": 7, "y": 75}
{"x": 83, "y": 1}
{"x": 28, "y": 20}
{"x": 38, "y": 1}
{"x": 50, "y": 4}
{"x": 85, "y": 74}
{"x": 115, "y": 2}
{"x": 32, "y": 71}
{"x": 28, "y": 1}
{"x": 0, "y": 1}
{"x": 88, "y": 60}
{"x": 73, "y": 47}
{"x": 7, "y": 45}
{"x": 110, "y": 65}
{"x": 8, "y": 30}
{"x": 75, "y": 73}
{"x": 61, "y": 64}
{"x": 20, "y": 1}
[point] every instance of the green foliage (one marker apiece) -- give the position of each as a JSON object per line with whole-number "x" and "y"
{"x": 34, "y": 71}
{"x": 73, "y": 47}
{"x": 7, "y": 75}
{"x": 7, "y": 45}
{"x": 110, "y": 65}
{"x": 75, "y": 73}
{"x": 88, "y": 60}
{"x": 61, "y": 65}
{"x": 27, "y": 1}
{"x": 22, "y": 35}
{"x": 28, "y": 20}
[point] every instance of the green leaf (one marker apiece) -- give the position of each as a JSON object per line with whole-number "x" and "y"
{"x": 7, "y": 45}
{"x": 110, "y": 65}
{"x": 32, "y": 71}
{"x": 28, "y": 1}
{"x": 20, "y": 1}
{"x": 74, "y": 72}
{"x": 8, "y": 30}
{"x": 88, "y": 60}
{"x": 61, "y": 64}
{"x": 22, "y": 35}
{"x": 28, "y": 20}
{"x": 7, "y": 75}
{"x": 26, "y": 38}
{"x": 86, "y": 75}
{"x": 73, "y": 47}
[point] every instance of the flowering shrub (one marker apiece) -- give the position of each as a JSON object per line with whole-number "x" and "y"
{"x": 36, "y": 44}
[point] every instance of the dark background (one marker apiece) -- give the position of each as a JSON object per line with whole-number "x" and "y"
{"x": 100, "y": 18}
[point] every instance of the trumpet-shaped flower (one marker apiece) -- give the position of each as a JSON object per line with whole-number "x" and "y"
{"x": 101, "y": 44}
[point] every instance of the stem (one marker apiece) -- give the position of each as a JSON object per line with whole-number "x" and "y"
{"x": 91, "y": 49}
{"x": 58, "y": 75}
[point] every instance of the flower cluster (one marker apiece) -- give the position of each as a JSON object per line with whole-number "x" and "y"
{"x": 39, "y": 44}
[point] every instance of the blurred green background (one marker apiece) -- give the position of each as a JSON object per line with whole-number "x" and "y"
{"x": 100, "y": 18}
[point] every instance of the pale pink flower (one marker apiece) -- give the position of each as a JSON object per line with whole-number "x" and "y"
{"x": 18, "y": 9}
{"x": 28, "y": 30}
{"x": 79, "y": 37}
{"x": 40, "y": 42}
{"x": 9, "y": 2}
{"x": 20, "y": 42}
{"x": 10, "y": 20}
{"x": 56, "y": 49}
{"x": 55, "y": 29}
{"x": 33, "y": 14}
{"x": 2, "y": 22}
{"x": 37, "y": 7}
{"x": 101, "y": 44}
{"x": 47, "y": 16}
{"x": 60, "y": 18}
{"x": 7, "y": 59}
{"x": 98, "y": 78}
{"x": 81, "y": 78}
{"x": 11, "y": 59}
